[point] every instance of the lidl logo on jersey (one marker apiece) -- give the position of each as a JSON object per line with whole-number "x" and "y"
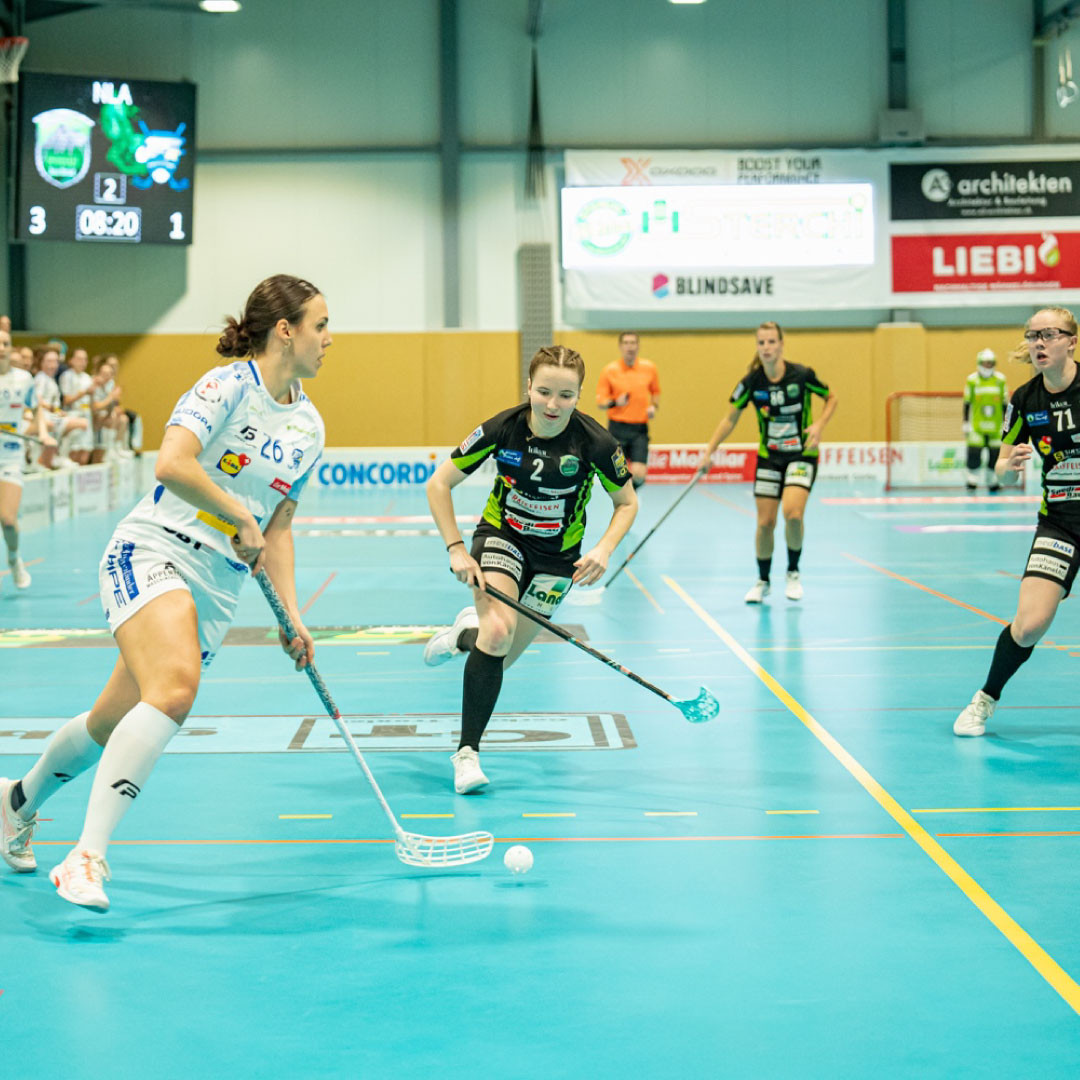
{"x": 1045, "y": 445}
{"x": 231, "y": 463}
{"x": 569, "y": 465}
{"x": 1038, "y": 419}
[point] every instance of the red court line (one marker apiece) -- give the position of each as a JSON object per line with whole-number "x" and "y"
{"x": 318, "y": 593}
{"x": 92, "y": 596}
{"x": 1049, "y": 642}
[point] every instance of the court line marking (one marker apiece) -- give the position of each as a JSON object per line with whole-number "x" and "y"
{"x": 304, "y": 817}
{"x": 31, "y": 562}
{"x": 993, "y": 809}
{"x": 427, "y": 815}
{"x": 1048, "y": 643}
{"x": 1019, "y": 938}
{"x": 318, "y": 592}
{"x": 728, "y": 503}
{"x": 670, "y": 813}
{"x": 563, "y": 813}
{"x": 792, "y": 811}
{"x": 648, "y": 595}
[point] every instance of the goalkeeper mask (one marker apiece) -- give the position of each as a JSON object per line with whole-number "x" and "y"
{"x": 986, "y": 361}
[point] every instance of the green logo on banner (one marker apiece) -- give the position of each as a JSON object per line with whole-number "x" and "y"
{"x": 62, "y": 146}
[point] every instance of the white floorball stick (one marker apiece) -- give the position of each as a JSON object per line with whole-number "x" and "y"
{"x": 412, "y": 848}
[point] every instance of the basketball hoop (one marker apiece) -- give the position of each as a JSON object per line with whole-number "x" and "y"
{"x": 12, "y": 50}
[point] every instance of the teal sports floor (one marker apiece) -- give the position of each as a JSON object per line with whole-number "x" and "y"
{"x": 822, "y": 882}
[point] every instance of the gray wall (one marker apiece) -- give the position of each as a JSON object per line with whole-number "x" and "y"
{"x": 351, "y": 89}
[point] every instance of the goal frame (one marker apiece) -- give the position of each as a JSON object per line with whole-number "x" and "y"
{"x": 891, "y": 440}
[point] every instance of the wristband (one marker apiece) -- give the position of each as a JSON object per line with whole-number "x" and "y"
{"x": 455, "y": 544}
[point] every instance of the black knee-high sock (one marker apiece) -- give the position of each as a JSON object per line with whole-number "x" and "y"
{"x": 793, "y": 559}
{"x": 466, "y": 640}
{"x": 1008, "y": 656}
{"x": 764, "y": 567}
{"x": 480, "y": 691}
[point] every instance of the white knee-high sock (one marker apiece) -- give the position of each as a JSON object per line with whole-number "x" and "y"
{"x": 130, "y": 755}
{"x": 70, "y": 751}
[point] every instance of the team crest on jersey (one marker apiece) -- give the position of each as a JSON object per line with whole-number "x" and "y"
{"x": 209, "y": 390}
{"x": 231, "y": 463}
{"x": 569, "y": 465}
{"x": 793, "y": 389}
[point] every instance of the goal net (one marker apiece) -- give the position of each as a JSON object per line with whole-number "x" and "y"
{"x": 924, "y": 440}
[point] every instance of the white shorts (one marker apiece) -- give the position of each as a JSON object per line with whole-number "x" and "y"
{"x": 11, "y": 473}
{"x": 132, "y": 574}
{"x": 81, "y": 440}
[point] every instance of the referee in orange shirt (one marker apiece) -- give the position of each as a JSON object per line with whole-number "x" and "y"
{"x": 629, "y": 390}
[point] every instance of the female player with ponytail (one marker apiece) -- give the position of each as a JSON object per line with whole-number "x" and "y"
{"x": 788, "y": 440}
{"x": 1045, "y": 411}
{"x": 239, "y": 448}
{"x": 528, "y": 541}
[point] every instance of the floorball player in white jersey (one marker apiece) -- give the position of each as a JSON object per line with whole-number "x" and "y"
{"x": 76, "y": 397}
{"x": 17, "y": 398}
{"x": 238, "y": 451}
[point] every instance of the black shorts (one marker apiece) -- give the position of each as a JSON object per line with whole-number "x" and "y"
{"x": 633, "y": 438}
{"x": 773, "y": 474}
{"x": 543, "y": 580}
{"x": 1054, "y": 555}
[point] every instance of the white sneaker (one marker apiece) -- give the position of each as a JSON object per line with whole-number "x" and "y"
{"x": 443, "y": 645}
{"x": 468, "y": 776}
{"x": 758, "y": 591}
{"x": 972, "y": 721}
{"x": 78, "y": 879}
{"x": 20, "y": 575}
{"x": 15, "y": 833}
{"x": 793, "y": 587}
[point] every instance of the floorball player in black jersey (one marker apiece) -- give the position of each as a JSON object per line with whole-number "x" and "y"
{"x": 1041, "y": 420}
{"x": 788, "y": 439}
{"x": 528, "y": 541}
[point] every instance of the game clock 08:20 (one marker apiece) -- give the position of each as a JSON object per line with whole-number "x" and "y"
{"x": 105, "y": 159}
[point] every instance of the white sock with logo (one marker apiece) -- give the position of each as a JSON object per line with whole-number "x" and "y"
{"x": 130, "y": 755}
{"x": 70, "y": 751}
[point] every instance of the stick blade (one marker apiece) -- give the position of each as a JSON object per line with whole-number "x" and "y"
{"x": 436, "y": 851}
{"x": 586, "y": 597}
{"x": 700, "y": 709}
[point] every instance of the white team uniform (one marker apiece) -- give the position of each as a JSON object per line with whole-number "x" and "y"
{"x": 47, "y": 393}
{"x": 75, "y": 382}
{"x": 16, "y": 395}
{"x": 257, "y": 450}
{"x": 100, "y": 394}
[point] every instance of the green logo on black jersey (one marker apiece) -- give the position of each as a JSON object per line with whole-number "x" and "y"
{"x": 569, "y": 465}
{"x": 793, "y": 389}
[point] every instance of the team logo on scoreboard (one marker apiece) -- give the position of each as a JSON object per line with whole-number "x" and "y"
{"x": 62, "y": 146}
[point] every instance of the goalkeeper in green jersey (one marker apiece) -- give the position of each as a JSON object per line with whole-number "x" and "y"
{"x": 985, "y": 398}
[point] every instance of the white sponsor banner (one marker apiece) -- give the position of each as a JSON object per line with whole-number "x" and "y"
{"x": 90, "y": 489}
{"x": 34, "y": 506}
{"x": 60, "y": 494}
{"x": 948, "y": 227}
{"x": 387, "y": 467}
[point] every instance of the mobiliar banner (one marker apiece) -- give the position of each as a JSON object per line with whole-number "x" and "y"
{"x": 675, "y": 463}
{"x": 986, "y": 262}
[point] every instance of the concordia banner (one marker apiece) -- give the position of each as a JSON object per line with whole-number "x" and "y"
{"x": 677, "y": 231}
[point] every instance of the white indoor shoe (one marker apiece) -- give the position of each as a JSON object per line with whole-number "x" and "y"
{"x": 80, "y": 878}
{"x": 15, "y": 833}
{"x": 442, "y": 646}
{"x": 20, "y": 575}
{"x": 758, "y": 591}
{"x": 468, "y": 776}
{"x": 972, "y": 721}
{"x": 793, "y": 586}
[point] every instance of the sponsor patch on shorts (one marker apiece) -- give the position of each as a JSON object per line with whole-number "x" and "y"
{"x": 769, "y": 474}
{"x": 1050, "y": 543}
{"x": 545, "y": 593}
{"x": 503, "y": 545}
{"x": 1047, "y": 564}
{"x": 799, "y": 474}
{"x": 493, "y": 560}
{"x": 771, "y": 488}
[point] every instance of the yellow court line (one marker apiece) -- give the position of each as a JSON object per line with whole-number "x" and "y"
{"x": 671, "y": 813}
{"x": 993, "y": 809}
{"x": 792, "y": 811}
{"x": 304, "y": 817}
{"x": 648, "y": 595}
{"x": 728, "y": 503}
{"x": 550, "y": 815}
{"x": 427, "y": 815}
{"x": 1025, "y": 944}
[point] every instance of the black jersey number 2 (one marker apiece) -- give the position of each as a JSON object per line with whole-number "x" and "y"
{"x": 538, "y": 468}
{"x": 1064, "y": 419}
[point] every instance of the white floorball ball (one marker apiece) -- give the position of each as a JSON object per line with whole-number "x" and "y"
{"x": 518, "y": 859}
